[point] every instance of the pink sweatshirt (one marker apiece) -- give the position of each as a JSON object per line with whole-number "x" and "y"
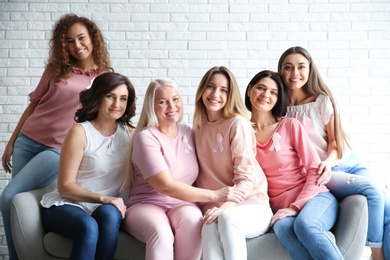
{"x": 56, "y": 106}
{"x": 290, "y": 163}
{"x": 226, "y": 155}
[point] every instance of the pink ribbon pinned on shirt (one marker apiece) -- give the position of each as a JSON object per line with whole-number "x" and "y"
{"x": 187, "y": 146}
{"x": 276, "y": 144}
{"x": 218, "y": 146}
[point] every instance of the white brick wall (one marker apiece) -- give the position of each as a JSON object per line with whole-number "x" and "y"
{"x": 349, "y": 40}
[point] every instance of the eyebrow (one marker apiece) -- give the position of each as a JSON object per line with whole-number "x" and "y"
{"x": 78, "y": 35}
{"x": 216, "y": 85}
{"x": 168, "y": 98}
{"x": 290, "y": 63}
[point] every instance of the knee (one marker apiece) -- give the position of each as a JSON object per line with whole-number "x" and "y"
{"x": 6, "y": 197}
{"x": 160, "y": 234}
{"x": 194, "y": 217}
{"x": 110, "y": 213}
{"x": 303, "y": 225}
{"x": 283, "y": 226}
{"x": 110, "y": 219}
{"x": 88, "y": 227}
{"x": 226, "y": 219}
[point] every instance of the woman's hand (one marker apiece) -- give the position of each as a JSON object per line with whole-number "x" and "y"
{"x": 230, "y": 194}
{"x": 211, "y": 215}
{"x": 117, "y": 202}
{"x": 6, "y": 159}
{"x": 325, "y": 169}
{"x": 282, "y": 213}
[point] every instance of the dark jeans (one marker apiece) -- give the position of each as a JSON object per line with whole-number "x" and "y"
{"x": 94, "y": 236}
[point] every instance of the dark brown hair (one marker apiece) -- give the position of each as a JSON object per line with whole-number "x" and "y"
{"x": 60, "y": 61}
{"x": 280, "y": 107}
{"x": 103, "y": 84}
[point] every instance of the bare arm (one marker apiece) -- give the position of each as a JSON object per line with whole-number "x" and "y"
{"x": 325, "y": 167}
{"x": 163, "y": 183}
{"x": 10, "y": 145}
{"x": 71, "y": 156}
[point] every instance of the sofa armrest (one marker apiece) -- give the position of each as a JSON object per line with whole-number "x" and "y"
{"x": 26, "y": 225}
{"x": 350, "y": 229}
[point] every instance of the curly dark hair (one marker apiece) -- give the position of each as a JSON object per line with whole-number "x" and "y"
{"x": 90, "y": 98}
{"x": 60, "y": 61}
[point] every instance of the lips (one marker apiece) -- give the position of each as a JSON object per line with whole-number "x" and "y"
{"x": 172, "y": 113}
{"x": 295, "y": 80}
{"x": 263, "y": 101}
{"x": 213, "y": 101}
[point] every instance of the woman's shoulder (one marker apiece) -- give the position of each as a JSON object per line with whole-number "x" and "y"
{"x": 185, "y": 128}
{"x": 239, "y": 121}
{"x": 290, "y": 123}
{"x": 322, "y": 98}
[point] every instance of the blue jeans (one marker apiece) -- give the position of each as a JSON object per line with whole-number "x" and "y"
{"x": 34, "y": 165}
{"x": 386, "y": 234}
{"x": 94, "y": 236}
{"x": 305, "y": 236}
{"x": 352, "y": 178}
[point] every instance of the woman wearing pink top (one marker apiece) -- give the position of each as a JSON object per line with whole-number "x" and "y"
{"x": 225, "y": 145}
{"x": 304, "y": 211}
{"x": 77, "y": 55}
{"x": 161, "y": 210}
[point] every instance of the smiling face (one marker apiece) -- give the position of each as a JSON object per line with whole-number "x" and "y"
{"x": 168, "y": 106}
{"x": 295, "y": 71}
{"x": 113, "y": 104}
{"x": 215, "y": 96}
{"x": 79, "y": 43}
{"x": 263, "y": 95}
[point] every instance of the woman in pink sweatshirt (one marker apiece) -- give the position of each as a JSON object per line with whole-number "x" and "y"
{"x": 225, "y": 145}
{"x": 303, "y": 210}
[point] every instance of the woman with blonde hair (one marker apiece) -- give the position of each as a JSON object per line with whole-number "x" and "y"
{"x": 226, "y": 147}
{"x": 161, "y": 210}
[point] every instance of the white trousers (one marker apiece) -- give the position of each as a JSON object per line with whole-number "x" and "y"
{"x": 226, "y": 240}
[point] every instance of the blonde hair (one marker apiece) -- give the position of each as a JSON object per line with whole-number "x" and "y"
{"x": 148, "y": 118}
{"x": 234, "y": 104}
{"x": 315, "y": 86}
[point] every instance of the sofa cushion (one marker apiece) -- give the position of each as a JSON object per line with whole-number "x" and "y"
{"x": 61, "y": 246}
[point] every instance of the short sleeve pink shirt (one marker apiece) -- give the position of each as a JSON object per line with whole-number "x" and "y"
{"x": 154, "y": 152}
{"x": 56, "y": 106}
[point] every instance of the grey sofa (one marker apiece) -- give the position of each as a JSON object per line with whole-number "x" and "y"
{"x": 33, "y": 243}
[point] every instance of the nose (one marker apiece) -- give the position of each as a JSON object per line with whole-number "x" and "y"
{"x": 115, "y": 102}
{"x": 295, "y": 71}
{"x": 265, "y": 93}
{"x": 77, "y": 43}
{"x": 215, "y": 92}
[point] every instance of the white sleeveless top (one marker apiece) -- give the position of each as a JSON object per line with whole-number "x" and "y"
{"x": 101, "y": 168}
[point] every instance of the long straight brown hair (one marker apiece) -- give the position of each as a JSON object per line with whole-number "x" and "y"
{"x": 315, "y": 86}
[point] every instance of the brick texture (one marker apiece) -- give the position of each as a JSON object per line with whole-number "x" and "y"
{"x": 349, "y": 41}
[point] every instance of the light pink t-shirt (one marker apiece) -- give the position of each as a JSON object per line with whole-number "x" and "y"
{"x": 290, "y": 163}
{"x": 226, "y": 152}
{"x": 57, "y": 105}
{"x": 154, "y": 152}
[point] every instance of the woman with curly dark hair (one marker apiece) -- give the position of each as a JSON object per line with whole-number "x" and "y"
{"x": 87, "y": 206}
{"x": 77, "y": 55}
